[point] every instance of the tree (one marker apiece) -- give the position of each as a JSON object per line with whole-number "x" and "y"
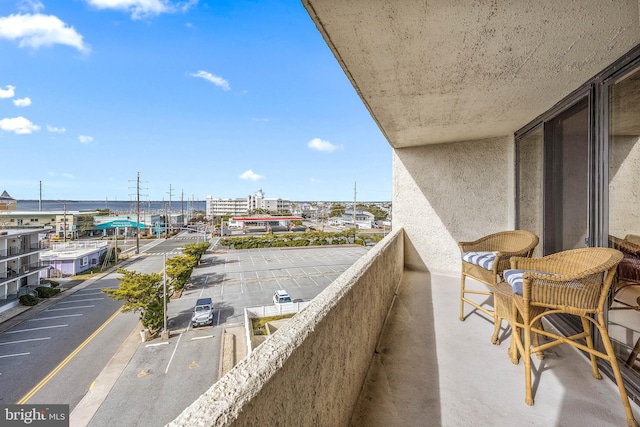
{"x": 337, "y": 210}
{"x": 179, "y": 270}
{"x": 142, "y": 293}
{"x": 197, "y": 216}
{"x": 85, "y": 224}
{"x": 196, "y": 250}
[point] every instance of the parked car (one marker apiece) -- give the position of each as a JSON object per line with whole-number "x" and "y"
{"x": 202, "y": 312}
{"x": 281, "y": 296}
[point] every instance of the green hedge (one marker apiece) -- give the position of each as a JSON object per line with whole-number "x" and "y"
{"x": 46, "y": 292}
{"x": 28, "y": 300}
{"x": 313, "y": 238}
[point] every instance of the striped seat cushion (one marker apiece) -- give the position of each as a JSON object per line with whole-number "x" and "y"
{"x": 514, "y": 278}
{"x": 481, "y": 259}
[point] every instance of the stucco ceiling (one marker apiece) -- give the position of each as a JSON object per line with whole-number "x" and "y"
{"x": 434, "y": 71}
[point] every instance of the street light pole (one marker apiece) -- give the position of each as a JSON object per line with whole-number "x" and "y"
{"x": 164, "y": 285}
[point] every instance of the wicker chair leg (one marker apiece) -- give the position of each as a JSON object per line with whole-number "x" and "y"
{"x": 527, "y": 365}
{"x": 462, "y": 298}
{"x": 631, "y": 421}
{"x": 594, "y": 364}
{"x": 513, "y": 352}
{"x": 536, "y": 340}
{"x": 497, "y": 324}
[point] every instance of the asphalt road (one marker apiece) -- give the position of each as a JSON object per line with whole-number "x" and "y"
{"x": 32, "y": 349}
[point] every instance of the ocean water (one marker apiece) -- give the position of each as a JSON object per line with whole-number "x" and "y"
{"x": 115, "y": 206}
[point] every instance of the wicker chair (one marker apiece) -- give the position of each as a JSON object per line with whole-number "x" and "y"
{"x": 575, "y": 282}
{"x": 504, "y": 245}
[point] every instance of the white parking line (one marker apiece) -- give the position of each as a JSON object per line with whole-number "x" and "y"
{"x": 70, "y": 308}
{"x": 14, "y": 355}
{"x": 55, "y": 317}
{"x": 21, "y": 341}
{"x": 173, "y": 354}
{"x": 37, "y": 329}
{"x": 80, "y": 300}
{"x": 157, "y": 344}
{"x": 201, "y": 338}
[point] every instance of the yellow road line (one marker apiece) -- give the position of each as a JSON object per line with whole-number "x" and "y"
{"x": 66, "y": 360}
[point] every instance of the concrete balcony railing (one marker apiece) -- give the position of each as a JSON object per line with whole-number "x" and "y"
{"x": 311, "y": 372}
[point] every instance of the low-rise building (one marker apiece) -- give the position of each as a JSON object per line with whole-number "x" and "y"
{"x": 7, "y": 203}
{"x": 71, "y": 258}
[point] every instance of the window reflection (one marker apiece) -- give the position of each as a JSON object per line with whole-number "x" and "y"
{"x": 624, "y": 215}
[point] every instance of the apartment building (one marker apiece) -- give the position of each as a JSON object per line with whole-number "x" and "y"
{"x": 19, "y": 263}
{"x": 237, "y": 207}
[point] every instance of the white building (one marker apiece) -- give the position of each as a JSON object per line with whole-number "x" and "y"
{"x": 71, "y": 258}
{"x": 222, "y": 207}
{"x": 19, "y": 263}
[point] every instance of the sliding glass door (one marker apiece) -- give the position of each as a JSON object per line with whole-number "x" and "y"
{"x": 624, "y": 214}
{"x": 553, "y": 180}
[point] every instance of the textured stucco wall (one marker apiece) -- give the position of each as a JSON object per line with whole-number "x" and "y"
{"x": 624, "y": 195}
{"x": 446, "y": 193}
{"x": 310, "y": 373}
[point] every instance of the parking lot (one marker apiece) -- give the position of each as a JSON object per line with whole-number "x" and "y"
{"x": 165, "y": 376}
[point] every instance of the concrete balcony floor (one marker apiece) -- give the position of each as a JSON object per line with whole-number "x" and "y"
{"x": 431, "y": 369}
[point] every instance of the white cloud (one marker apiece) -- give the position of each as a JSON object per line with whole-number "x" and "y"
{"x": 40, "y": 30}
{"x": 54, "y": 129}
{"x": 85, "y": 139}
{"x": 68, "y": 175}
{"x": 314, "y": 181}
{"x": 142, "y": 8}
{"x": 18, "y": 125}
{"x": 251, "y": 176}
{"x": 258, "y": 119}
{"x": 30, "y": 6}
{"x": 218, "y": 81}
{"x": 321, "y": 145}
{"x": 22, "y": 102}
{"x": 8, "y": 92}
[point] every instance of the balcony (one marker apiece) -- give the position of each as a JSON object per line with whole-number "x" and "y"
{"x": 383, "y": 346}
{"x": 12, "y": 252}
{"x": 11, "y": 274}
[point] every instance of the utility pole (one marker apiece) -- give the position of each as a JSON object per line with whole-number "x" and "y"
{"x": 182, "y": 206}
{"x": 170, "y": 194}
{"x": 64, "y": 226}
{"x": 355, "y": 230}
{"x": 138, "y": 213}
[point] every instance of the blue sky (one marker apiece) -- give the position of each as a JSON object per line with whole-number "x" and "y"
{"x": 217, "y": 98}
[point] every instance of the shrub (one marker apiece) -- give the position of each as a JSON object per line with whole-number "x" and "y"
{"x": 28, "y": 300}
{"x": 54, "y": 284}
{"x": 46, "y": 292}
